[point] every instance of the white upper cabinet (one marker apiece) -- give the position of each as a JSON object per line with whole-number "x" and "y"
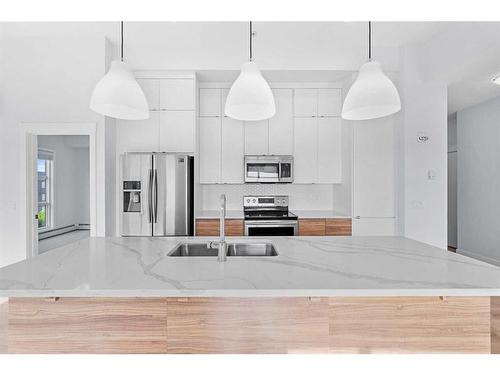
{"x": 281, "y": 124}
{"x": 329, "y": 102}
{"x": 306, "y": 103}
{"x": 305, "y": 150}
{"x": 177, "y": 131}
{"x": 257, "y": 137}
{"x": 329, "y": 150}
{"x": 138, "y": 136}
{"x": 232, "y": 151}
{"x": 177, "y": 94}
{"x": 151, "y": 89}
{"x": 210, "y": 150}
{"x": 210, "y": 103}
{"x": 374, "y": 168}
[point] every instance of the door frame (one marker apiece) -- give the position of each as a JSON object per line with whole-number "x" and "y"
{"x": 29, "y": 132}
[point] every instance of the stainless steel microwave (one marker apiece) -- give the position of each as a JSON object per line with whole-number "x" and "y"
{"x": 269, "y": 168}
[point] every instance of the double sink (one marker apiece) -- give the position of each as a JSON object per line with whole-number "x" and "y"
{"x": 188, "y": 249}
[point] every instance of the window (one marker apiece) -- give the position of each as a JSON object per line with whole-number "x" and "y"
{"x": 45, "y": 172}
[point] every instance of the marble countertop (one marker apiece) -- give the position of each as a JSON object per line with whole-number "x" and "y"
{"x": 215, "y": 214}
{"x": 305, "y": 266}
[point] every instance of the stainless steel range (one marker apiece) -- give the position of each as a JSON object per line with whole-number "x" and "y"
{"x": 268, "y": 216}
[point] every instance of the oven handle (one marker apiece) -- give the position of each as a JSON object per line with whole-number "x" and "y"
{"x": 274, "y": 223}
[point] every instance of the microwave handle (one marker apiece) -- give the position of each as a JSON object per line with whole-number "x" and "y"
{"x": 279, "y": 171}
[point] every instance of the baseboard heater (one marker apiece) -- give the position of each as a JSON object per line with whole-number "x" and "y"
{"x": 58, "y": 231}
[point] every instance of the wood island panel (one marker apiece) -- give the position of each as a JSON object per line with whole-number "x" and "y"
{"x": 210, "y": 227}
{"x": 247, "y": 325}
{"x": 410, "y": 325}
{"x": 4, "y": 318}
{"x": 311, "y": 227}
{"x": 254, "y": 325}
{"x": 338, "y": 227}
{"x": 495, "y": 325}
{"x": 87, "y": 325}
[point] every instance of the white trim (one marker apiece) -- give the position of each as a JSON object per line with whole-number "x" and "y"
{"x": 28, "y": 133}
{"x": 277, "y": 85}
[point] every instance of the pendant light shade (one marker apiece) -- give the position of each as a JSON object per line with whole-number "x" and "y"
{"x": 372, "y": 95}
{"x": 118, "y": 94}
{"x": 250, "y": 97}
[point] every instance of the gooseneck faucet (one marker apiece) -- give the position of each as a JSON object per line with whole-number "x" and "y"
{"x": 221, "y": 245}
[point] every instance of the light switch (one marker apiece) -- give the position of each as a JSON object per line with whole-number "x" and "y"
{"x": 431, "y": 175}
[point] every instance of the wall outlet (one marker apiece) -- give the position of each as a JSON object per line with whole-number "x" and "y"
{"x": 422, "y": 137}
{"x": 431, "y": 175}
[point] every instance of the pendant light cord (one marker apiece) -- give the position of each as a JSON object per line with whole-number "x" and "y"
{"x": 121, "y": 32}
{"x": 369, "y": 41}
{"x": 251, "y": 41}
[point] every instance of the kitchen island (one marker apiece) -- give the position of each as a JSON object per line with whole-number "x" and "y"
{"x": 319, "y": 294}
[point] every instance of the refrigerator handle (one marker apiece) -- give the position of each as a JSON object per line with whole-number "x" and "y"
{"x": 156, "y": 195}
{"x": 150, "y": 194}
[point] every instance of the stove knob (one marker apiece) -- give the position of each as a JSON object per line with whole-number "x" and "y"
{"x": 253, "y": 200}
{"x": 248, "y": 200}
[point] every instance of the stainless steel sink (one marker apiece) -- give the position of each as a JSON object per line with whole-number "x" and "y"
{"x": 192, "y": 249}
{"x": 251, "y": 250}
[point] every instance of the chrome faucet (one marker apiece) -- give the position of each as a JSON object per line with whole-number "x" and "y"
{"x": 221, "y": 245}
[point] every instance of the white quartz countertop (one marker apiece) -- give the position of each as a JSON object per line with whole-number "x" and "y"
{"x": 302, "y": 214}
{"x": 215, "y": 214}
{"x": 305, "y": 266}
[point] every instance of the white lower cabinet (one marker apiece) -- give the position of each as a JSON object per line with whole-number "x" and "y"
{"x": 374, "y": 226}
{"x": 232, "y": 151}
{"x": 210, "y": 150}
{"x": 177, "y": 131}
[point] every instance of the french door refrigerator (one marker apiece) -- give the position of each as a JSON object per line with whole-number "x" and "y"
{"x": 157, "y": 194}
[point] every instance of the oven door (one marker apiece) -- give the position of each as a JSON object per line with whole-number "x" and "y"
{"x": 271, "y": 227}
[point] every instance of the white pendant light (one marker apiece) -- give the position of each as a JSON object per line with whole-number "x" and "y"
{"x": 250, "y": 97}
{"x": 118, "y": 94}
{"x": 373, "y": 94}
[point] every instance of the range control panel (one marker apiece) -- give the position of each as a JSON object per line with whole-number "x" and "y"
{"x": 265, "y": 201}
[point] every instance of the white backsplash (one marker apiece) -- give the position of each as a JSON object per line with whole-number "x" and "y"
{"x": 302, "y": 197}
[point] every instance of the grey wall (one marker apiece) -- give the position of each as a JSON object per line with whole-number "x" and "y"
{"x": 71, "y": 174}
{"x": 452, "y": 181}
{"x": 479, "y": 180}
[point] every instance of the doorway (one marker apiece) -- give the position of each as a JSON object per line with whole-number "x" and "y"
{"x": 63, "y": 190}
{"x": 60, "y": 178}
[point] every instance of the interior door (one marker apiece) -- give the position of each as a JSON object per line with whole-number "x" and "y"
{"x": 171, "y": 190}
{"x": 137, "y": 168}
{"x": 32, "y": 155}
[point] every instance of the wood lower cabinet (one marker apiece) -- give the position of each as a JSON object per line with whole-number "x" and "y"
{"x": 254, "y": 325}
{"x": 311, "y": 227}
{"x": 210, "y": 227}
{"x": 325, "y": 227}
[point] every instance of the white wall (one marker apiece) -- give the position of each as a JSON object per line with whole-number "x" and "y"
{"x": 43, "y": 79}
{"x": 479, "y": 181}
{"x": 424, "y": 111}
{"x": 71, "y": 198}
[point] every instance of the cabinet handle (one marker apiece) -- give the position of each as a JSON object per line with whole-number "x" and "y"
{"x": 357, "y": 217}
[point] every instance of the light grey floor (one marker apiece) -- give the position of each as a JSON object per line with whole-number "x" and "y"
{"x": 61, "y": 240}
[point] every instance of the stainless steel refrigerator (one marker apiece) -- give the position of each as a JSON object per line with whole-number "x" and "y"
{"x": 157, "y": 194}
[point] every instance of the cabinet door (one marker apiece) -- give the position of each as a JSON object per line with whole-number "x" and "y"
{"x": 210, "y": 150}
{"x": 281, "y": 124}
{"x": 305, "y": 150}
{"x": 210, "y": 102}
{"x": 151, "y": 89}
{"x": 329, "y": 150}
{"x": 232, "y": 151}
{"x": 312, "y": 227}
{"x": 256, "y": 137}
{"x": 177, "y": 131}
{"x": 305, "y": 103}
{"x": 329, "y": 102}
{"x": 177, "y": 94}
{"x": 374, "y": 168}
{"x": 138, "y": 136}
{"x": 374, "y": 227}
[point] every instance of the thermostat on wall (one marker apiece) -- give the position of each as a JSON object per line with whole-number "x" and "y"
{"x": 422, "y": 137}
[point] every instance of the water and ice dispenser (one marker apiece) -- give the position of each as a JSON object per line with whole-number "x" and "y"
{"x": 131, "y": 196}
